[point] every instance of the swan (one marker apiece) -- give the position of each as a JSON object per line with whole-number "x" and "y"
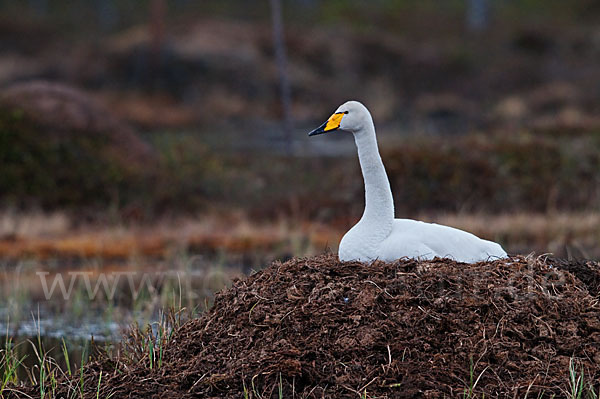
{"x": 377, "y": 235}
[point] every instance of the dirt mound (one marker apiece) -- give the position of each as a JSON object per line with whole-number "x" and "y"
{"x": 59, "y": 148}
{"x": 321, "y": 328}
{"x": 64, "y": 111}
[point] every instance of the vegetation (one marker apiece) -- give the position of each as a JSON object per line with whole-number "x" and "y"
{"x": 140, "y": 346}
{"x": 503, "y": 173}
{"x": 146, "y": 346}
{"x": 51, "y": 169}
{"x": 494, "y": 132}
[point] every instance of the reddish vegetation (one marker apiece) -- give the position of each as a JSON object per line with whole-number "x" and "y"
{"x": 404, "y": 329}
{"x": 206, "y": 235}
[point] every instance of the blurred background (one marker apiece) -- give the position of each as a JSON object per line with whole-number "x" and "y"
{"x": 165, "y": 141}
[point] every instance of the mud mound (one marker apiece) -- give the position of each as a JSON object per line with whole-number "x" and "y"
{"x": 321, "y": 328}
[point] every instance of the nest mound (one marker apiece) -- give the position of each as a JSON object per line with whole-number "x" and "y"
{"x": 317, "y": 328}
{"x": 320, "y": 328}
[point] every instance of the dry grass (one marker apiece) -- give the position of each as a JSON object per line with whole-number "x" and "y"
{"x": 33, "y": 224}
{"x": 41, "y": 236}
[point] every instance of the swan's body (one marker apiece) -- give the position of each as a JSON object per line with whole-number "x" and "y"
{"x": 378, "y": 235}
{"x": 419, "y": 240}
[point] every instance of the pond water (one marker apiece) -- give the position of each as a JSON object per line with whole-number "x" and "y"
{"x": 76, "y": 302}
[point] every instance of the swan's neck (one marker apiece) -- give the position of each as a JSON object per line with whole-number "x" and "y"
{"x": 379, "y": 204}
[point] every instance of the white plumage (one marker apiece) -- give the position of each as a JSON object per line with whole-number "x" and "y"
{"x": 377, "y": 235}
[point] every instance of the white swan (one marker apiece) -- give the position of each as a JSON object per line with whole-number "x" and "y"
{"x": 378, "y": 235}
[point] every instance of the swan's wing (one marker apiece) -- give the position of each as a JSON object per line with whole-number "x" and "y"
{"x": 417, "y": 239}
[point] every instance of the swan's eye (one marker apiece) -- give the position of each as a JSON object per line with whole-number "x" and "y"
{"x": 345, "y": 112}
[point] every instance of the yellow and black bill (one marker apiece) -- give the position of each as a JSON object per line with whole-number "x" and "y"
{"x": 333, "y": 123}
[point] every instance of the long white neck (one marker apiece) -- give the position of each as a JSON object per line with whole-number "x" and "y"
{"x": 379, "y": 203}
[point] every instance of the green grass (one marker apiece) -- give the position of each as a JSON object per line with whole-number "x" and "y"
{"x": 9, "y": 364}
{"x": 141, "y": 346}
{"x": 579, "y": 387}
{"x": 468, "y": 392}
{"x": 147, "y": 347}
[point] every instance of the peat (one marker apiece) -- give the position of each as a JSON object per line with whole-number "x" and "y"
{"x": 316, "y": 327}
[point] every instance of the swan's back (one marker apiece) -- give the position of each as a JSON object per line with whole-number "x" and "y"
{"x": 415, "y": 239}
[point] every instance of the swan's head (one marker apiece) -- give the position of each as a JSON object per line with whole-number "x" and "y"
{"x": 351, "y": 116}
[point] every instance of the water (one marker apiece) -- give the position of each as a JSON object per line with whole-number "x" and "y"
{"x": 27, "y": 348}
{"x": 56, "y": 300}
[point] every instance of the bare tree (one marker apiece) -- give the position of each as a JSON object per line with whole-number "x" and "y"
{"x": 158, "y": 11}
{"x": 284, "y": 82}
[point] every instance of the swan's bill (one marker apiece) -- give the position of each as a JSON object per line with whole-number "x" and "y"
{"x": 333, "y": 123}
